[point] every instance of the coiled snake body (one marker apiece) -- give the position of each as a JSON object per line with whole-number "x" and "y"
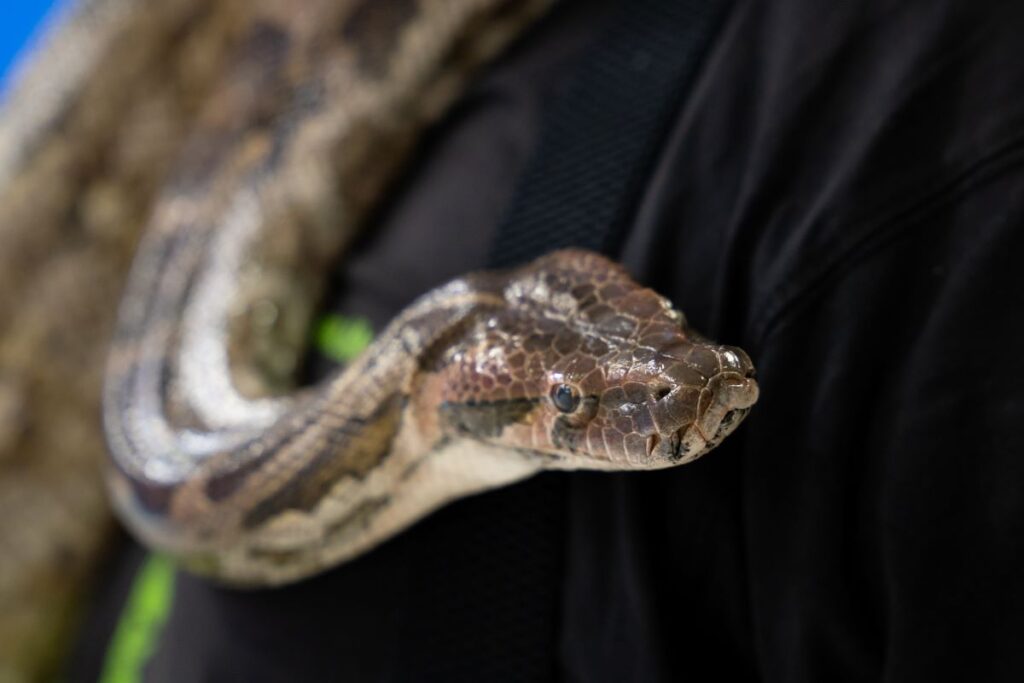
{"x": 564, "y": 363}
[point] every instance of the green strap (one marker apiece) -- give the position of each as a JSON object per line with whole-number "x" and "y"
{"x": 142, "y": 619}
{"x": 340, "y": 338}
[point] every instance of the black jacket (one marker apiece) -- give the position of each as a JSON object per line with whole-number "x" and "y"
{"x": 841, "y": 193}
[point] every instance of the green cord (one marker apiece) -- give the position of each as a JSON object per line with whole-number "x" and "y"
{"x": 342, "y": 338}
{"x": 338, "y": 337}
{"x": 141, "y": 621}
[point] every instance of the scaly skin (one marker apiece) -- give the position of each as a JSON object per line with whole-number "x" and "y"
{"x": 563, "y": 364}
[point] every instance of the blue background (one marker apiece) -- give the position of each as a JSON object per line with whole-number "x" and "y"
{"x": 17, "y": 21}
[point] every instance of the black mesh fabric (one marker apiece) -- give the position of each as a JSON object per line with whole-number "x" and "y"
{"x": 601, "y": 137}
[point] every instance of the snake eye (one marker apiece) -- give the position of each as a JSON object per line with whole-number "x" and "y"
{"x": 565, "y": 397}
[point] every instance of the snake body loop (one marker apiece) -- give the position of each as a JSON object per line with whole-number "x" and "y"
{"x": 564, "y": 363}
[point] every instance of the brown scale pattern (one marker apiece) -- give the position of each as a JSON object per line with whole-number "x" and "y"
{"x": 644, "y": 381}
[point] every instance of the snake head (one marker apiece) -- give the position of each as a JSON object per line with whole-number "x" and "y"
{"x": 588, "y": 369}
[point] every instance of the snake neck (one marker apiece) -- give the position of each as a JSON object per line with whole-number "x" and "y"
{"x": 256, "y": 213}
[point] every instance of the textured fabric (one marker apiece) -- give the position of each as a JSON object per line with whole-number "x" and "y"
{"x": 842, "y": 196}
{"x": 841, "y": 192}
{"x": 600, "y": 138}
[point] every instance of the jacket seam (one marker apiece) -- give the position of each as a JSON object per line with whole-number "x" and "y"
{"x": 875, "y": 235}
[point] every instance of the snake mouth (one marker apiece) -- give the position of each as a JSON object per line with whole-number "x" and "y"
{"x": 690, "y": 442}
{"x": 729, "y": 422}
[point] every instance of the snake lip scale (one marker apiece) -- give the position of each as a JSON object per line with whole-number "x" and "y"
{"x": 564, "y": 363}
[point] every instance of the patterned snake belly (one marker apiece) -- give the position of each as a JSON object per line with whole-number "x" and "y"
{"x": 565, "y": 363}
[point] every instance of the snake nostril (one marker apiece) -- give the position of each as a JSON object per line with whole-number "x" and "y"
{"x": 662, "y": 392}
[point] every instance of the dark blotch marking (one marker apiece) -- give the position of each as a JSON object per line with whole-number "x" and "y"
{"x": 568, "y": 430}
{"x": 223, "y": 485}
{"x": 564, "y": 434}
{"x": 351, "y": 452}
{"x": 374, "y": 28}
{"x": 153, "y": 498}
{"x": 486, "y": 419}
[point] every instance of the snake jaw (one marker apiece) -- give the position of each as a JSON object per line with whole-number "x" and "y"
{"x": 733, "y": 397}
{"x": 734, "y": 394}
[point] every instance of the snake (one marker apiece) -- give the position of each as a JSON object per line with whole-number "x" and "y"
{"x": 563, "y": 363}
